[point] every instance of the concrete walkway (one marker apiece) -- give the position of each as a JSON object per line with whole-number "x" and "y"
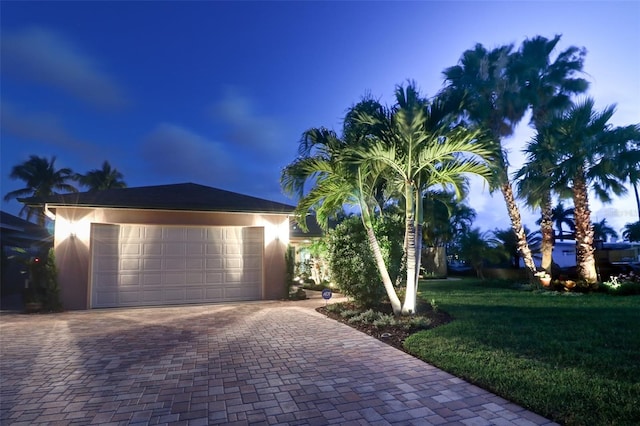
{"x": 245, "y": 363}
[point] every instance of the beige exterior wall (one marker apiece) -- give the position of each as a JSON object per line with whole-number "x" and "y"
{"x": 73, "y": 243}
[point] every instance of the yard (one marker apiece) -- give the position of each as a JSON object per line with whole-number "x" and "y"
{"x": 572, "y": 358}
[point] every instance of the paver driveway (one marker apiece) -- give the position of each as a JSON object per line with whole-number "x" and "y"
{"x": 246, "y": 363}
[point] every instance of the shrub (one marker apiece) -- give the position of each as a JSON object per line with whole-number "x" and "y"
{"x": 384, "y": 320}
{"x": 366, "y": 317}
{"x": 622, "y": 285}
{"x": 348, "y": 313}
{"x": 352, "y": 264}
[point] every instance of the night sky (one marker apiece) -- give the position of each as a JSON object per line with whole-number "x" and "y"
{"x": 218, "y": 93}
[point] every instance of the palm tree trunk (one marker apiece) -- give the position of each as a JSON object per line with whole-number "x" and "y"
{"x": 409, "y": 306}
{"x": 586, "y": 264}
{"x": 379, "y": 259}
{"x": 384, "y": 273}
{"x": 516, "y": 225}
{"x": 635, "y": 190}
{"x": 546, "y": 229}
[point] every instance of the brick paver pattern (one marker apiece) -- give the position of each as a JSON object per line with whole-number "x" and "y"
{"x": 244, "y": 363}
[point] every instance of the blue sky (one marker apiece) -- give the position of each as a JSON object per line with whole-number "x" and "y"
{"x": 218, "y": 93}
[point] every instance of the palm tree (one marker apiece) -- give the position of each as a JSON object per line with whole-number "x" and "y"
{"x": 602, "y": 231}
{"x": 415, "y": 145}
{"x": 547, "y": 86}
{"x": 631, "y": 231}
{"x": 100, "y": 179}
{"x": 476, "y": 248}
{"x": 41, "y": 180}
{"x": 335, "y": 182}
{"x": 444, "y": 217}
{"x": 534, "y": 183}
{"x": 561, "y": 216}
{"x": 484, "y": 84}
{"x": 590, "y": 152}
{"x": 510, "y": 242}
{"x": 630, "y": 159}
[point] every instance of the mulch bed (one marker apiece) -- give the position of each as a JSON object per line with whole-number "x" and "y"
{"x": 394, "y": 335}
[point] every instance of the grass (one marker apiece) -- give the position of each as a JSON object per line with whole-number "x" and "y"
{"x": 572, "y": 358}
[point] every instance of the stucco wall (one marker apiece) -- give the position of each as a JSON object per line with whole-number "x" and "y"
{"x": 73, "y": 244}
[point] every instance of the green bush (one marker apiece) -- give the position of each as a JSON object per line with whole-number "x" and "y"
{"x": 384, "y": 320}
{"x": 622, "y": 285}
{"x": 352, "y": 264}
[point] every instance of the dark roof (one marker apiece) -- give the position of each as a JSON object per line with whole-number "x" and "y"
{"x": 313, "y": 228}
{"x": 183, "y": 196}
{"x": 14, "y": 230}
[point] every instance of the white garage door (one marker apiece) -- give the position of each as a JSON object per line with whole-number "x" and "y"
{"x": 137, "y": 265}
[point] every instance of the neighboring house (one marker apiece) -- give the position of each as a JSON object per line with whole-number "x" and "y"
{"x": 300, "y": 240}
{"x": 167, "y": 245}
{"x": 20, "y": 240}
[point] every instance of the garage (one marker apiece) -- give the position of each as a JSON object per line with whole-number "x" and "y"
{"x": 167, "y": 245}
{"x": 144, "y": 265}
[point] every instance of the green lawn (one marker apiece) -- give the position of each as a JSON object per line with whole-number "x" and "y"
{"x": 572, "y": 358}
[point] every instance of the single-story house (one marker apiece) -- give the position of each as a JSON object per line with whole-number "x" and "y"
{"x": 167, "y": 245}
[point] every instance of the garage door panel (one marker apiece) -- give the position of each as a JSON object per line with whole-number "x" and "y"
{"x": 174, "y": 249}
{"x": 195, "y": 249}
{"x": 106, "y": 280}
{"x": 152, "y": 280}
{"x": 194, "y": 293}
{"x": 108, "y": 298}
{"x": 152, "y": 264}
{"x": 173, "y": 278}
{"x": 152, "y": 249}
{"x": 130, "y": 280}
{"x": 175, "y": 264}
{"x": 130, "y": 264}
{"x": 150, "y": 232}
{"x": 195, "y": 278}
{"x": 239, "y": 293}
{"x": 196, "y": 234}
{"x": 136, "y": 265}
{"x": 252, "y": 262}
{"x": 213, "y": 249}
{"x": 129, "y": 297}
{"x": 195, "y": 263}
{"x": 214, "y": 263}
{"x": 214, "y": 277}
{"x": 175, "y": 294}
{"x": 108, "y": 263}
{"x": 130, "y": 249}
{"x": 152, "y": 296}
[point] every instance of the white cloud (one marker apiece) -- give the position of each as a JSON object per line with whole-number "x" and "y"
{"x": 260, "y": 137}
{"x": 48, "y": 58}
{"x": 38, "y": 127}
{"x": 173, "y": 151}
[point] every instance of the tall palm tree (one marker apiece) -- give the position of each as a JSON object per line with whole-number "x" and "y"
{"x": 547, "y": 86}
{"x": 100, "y": 179}
{"x": 590, "y": 152}
{"x": 419, "y": 149}
{"x": 602, "y": 231}
{"x": 484, "y": 84}
{"x": 630, "y": 159}
{"x": 534, "y": 183}
{"x": 335, "y": 182}
{"x": 41, "y": 180}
